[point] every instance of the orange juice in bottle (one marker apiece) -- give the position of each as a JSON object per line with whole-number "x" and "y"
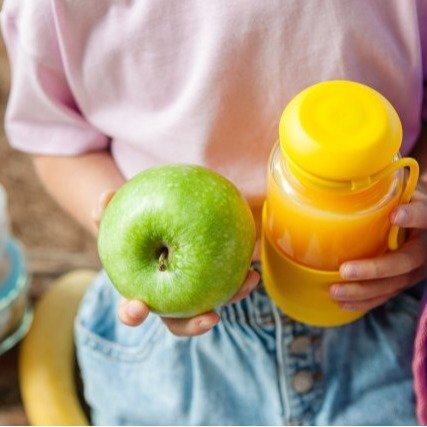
{"x": 333, "y": 180}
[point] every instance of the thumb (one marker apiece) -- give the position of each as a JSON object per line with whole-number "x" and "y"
{"x": 101, "y": 204}
{"x": 132, "y": 312}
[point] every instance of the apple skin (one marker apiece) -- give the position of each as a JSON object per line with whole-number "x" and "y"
{"x": 179, "y": 238}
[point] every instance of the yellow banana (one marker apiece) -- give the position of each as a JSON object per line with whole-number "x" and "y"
{"x": 46, "y": 361}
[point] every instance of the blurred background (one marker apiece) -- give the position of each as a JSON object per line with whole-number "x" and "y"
{"x": 54, "y": 244}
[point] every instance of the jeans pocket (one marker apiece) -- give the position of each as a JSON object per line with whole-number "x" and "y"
{"x": 130, "y": 345}
{"x": 115, "y": 360}
{"x": 98, "y": 329}
{"x": 116, "y": 375}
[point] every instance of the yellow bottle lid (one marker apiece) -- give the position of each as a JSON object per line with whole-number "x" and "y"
{"x": 340, "y": 130}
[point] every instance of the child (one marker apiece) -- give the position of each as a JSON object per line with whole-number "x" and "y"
{"x": 104, "y": 89}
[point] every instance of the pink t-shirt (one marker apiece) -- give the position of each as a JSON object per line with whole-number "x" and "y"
{"x": 198, "y": 81}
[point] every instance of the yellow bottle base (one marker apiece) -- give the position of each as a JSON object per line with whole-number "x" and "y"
{"x": 301, "y": 292}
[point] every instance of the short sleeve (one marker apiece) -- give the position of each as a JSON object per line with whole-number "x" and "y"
{"x": 42, "y": 116}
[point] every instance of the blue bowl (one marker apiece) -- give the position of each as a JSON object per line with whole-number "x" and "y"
{"x": 15, "y": 310}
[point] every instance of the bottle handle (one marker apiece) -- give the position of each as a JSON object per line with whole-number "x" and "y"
{"x": 397, "y": 235}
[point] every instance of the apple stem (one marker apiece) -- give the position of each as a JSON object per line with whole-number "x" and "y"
{"x": 162, "y": 259}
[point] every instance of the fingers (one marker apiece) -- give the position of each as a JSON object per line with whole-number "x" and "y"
{"x": 251, "y": 282}
{"x": 102, "y": 203}
{"x": 420, "y": 193}
{"x": 412, "y": 215}
{"x": 191, "y": 327}
{"x": 373, "y": 282}
{"x": 412, "y": 255}
{"x": 367, "y": 304}
{"x": 200, "y": 324}
{"x": 132, "y": 312}
{"x": 367, "y": 290}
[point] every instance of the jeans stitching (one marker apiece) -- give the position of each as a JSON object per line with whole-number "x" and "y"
{"x": 114, "y": 350}
{"x": 281, "y": 364}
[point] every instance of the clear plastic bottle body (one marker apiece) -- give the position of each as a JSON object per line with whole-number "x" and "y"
{"x": 321, "y": 227}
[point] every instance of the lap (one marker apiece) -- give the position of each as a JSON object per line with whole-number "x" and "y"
{"x": 248, "y": 369}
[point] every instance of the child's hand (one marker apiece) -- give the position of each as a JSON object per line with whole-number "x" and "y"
{"x": 133, "y": 312}
{"x": 373, "y": 282}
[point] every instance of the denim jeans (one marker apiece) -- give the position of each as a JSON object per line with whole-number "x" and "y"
{"x": 257, "y": 366}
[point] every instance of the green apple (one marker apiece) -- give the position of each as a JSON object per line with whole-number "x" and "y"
{"x": 179, "y": 238}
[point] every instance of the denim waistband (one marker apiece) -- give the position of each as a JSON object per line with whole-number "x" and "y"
{"x": 256, "y": 309}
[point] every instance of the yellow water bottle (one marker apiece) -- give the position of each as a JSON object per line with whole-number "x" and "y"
{"x": 333, "y": 180}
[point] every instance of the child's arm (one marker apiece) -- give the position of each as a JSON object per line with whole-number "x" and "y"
{"x": 76, "y": 183}
{"x": 87, "y": 180}
{"x": 370, "y": 283}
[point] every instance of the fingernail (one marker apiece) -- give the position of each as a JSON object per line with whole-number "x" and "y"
{"x": 349, "y": 307}
{"x": 338, "y": 291}
{"x": 256, "y": 277}
{"x": 253, "y": 285}
{"x": 400, "y": 217}
{"x": 206, "y": 324}
{"x": 349, "y": 271}
{"x": 135, "y": 309}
